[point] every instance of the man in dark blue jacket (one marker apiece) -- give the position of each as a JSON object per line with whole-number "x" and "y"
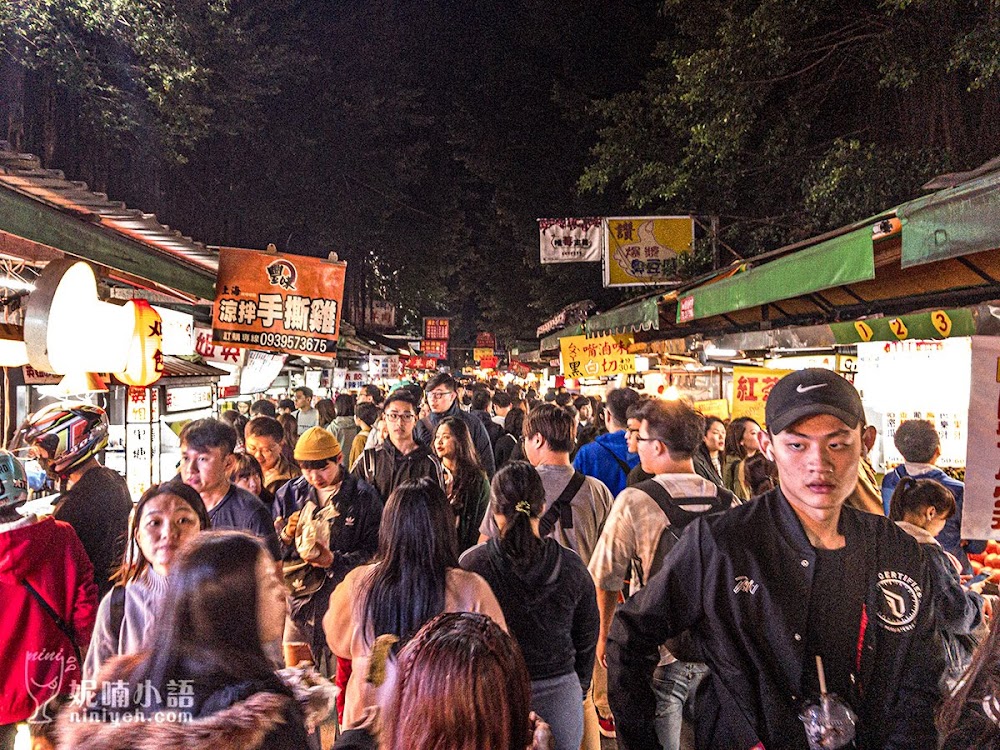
{"x": 442, "y": 397}
{"x": 766, "y": 588}
{"x": 607, "y": 457}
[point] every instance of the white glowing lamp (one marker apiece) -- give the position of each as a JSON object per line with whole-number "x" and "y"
{"x": 671, "y": 393}
{"x": 67, "y": 328}
{"x": 13, "y": 352}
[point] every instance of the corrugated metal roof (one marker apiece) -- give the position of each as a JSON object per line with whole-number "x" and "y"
{"x": 25, "y": 174}
{"x": 177, "y": 367}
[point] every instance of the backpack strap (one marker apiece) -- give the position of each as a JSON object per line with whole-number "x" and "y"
{"x": 562, "y": 509}
{"x": 368, "y": 465}
{"x": 674, "y": 509}
{"x": 117, "y": 609}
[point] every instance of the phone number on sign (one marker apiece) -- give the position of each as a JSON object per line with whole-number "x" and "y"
{"x": 279, "y": 341}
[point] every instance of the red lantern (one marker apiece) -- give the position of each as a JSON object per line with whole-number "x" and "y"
{"x": 145, "y": 357}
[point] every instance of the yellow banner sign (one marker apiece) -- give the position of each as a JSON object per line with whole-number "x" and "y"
{"x": 751, "y": 387}
{"x": 643, "y": 250}
{"x": 604, "y": 356}
{"x": 716, "y": 407}
{"x": 481, "y": 352}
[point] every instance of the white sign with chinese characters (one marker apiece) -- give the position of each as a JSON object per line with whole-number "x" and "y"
{"x": 188, "y": 398}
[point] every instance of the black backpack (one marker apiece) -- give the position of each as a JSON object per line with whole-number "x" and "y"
{"x": 679, "y": 515}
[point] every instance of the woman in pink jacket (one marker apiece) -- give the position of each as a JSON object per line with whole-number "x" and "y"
{"x": 414, "y": 577}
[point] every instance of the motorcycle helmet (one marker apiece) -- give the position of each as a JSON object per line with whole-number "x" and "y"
{"x": 13, "y": 481}
{"x": 70, "y": 433}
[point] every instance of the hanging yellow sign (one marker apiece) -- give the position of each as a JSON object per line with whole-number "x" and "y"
{"x": 643, "y": 250}
{"x": 751, "y": 387}
{"x": 604, "y": 356}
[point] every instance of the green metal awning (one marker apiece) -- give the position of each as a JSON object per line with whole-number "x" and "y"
{"x": 642, "y": 315}
{"x": 552, "y": 340}
{"x": 950, "y": 223}
{"x": 840, "y": 260}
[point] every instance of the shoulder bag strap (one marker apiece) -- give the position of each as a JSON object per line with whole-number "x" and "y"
{"x": 59, "y": 621}
{"x": 117, "y": 609}
{"x": 562, "y": 509}
{"x": 621, "y": 464}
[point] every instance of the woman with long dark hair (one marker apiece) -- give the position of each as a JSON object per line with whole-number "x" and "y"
{"x": 327, "y": 413}
{"x": 741, "y": 442}
{"x": 207, "y": 679}
{"x": 508, "y": 447}
{"x": 414, "y": 577}
{"x": 547, "y": 597}
{"x": 467, "y": 485}
{"x": 166, "y": 516}
{"x": 708, "y": 458}
{"x": 969, "y": 719}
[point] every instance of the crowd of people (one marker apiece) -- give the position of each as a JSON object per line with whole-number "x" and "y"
{"x": 477, "y": 567}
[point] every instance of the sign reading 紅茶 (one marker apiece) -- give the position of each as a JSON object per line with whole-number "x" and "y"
{"x": 751, "y": 387}
{"x": 278, "y": 302}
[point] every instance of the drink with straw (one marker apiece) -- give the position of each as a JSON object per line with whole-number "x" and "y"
{"x": 830, "y": 723}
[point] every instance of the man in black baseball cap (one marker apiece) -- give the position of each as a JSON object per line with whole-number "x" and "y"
{"x": 806, "y": 393}
{"x": 792, "y": 577}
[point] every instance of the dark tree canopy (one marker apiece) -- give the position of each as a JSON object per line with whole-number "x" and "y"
{"x": 791, "y": 117}
{"x": 420, "y": 141}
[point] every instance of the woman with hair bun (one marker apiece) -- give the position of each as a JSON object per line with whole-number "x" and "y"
{"x": 920, "y": 507}
{"x": 547, "y": 597}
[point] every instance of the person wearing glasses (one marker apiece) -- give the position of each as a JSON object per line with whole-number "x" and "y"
{"x": 400, "y": 457}
{"x": 327, "y": 524}
{"x": 442, "y": 397}
{"x": 645, "y": 522}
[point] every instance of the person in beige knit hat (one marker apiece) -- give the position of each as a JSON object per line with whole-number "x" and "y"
{"x": 327, "y": 523}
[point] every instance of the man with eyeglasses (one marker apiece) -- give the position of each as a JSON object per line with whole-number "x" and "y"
{"x": 442, "y": 397}
{"x": 644, "y": 524}
{"x": 327, "y": 524}
{"x": 399, "y": 458}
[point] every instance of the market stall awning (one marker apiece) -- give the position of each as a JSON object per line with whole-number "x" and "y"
{"x": 632, "y": 317}
{"x": 42, "y": 206}
{"x": 950, "y": 223}
{"x": 552, "y": 340}
{"x": 843, "y": 259}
